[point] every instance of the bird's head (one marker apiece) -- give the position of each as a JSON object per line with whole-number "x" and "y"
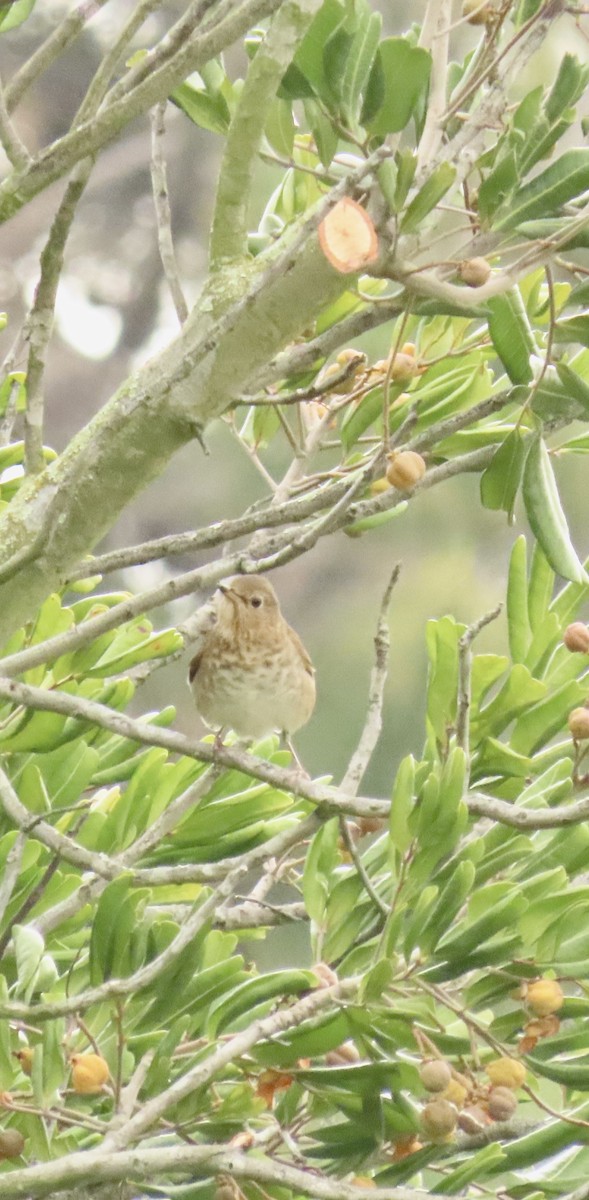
{"x": 248, "y": 601}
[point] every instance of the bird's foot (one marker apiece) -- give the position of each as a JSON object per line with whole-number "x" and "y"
{"x": 298, "y": 767}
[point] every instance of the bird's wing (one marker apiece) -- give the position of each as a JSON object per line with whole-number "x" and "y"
{"x": 297, "y": 643}
{"x": 197, "y": 628}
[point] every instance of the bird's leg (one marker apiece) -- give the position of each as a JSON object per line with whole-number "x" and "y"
{"x": 287, "y": 741}
{"x": 219, "y": 742}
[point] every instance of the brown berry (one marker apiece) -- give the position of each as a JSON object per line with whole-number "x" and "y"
{"x": 438, "y": 1119}
{"x": 404, "y": 367}
{"x": 12, "y": 1143}
{"x": 506, "y": 1072}
{"x": 435, "y": 1075}
{"x": 477, "y": 13}
{"x": 346, "y": 1053}
{"x": 25, "y": 1058}
{"x": 474, "y": 271}
{"x": 473, "y": 1118}
{"x": 89, "y": 1073}
{"x": 578, "y": 722}
{"x": 405, "y": 469}
{"x": 576, "y": 637}
{"x": 501, "y": 1103}
{"x": 545, "y": 996}
{"x": 325, "y": 976}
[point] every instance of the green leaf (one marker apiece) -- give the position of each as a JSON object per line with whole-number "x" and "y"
{"x": 111, "y": 915}
{"x": 572, "y": 329}
{"x": 308, "y": 63}
{"x": 262, "y": 989}
{"x": 405, "y": 163}
{"x": 474, "y": 1167}
{"x": 518, "y": 620}
{"x": 499, "y": 183}
{"x": 500, "y": 481}
{"x": 402, "y": 805}
{"x": 544, "y": 720}
{"x": 545, "y": 514}
{"x": 567, "y": 88}
{"x": 428, "y": 196}
{"x": 540, "y": 588}
{"x": 280, "y": 127}
{"x": 511, "y": 335}
{"x": 406, "y": 70}
{"x": 442, "y": 643}
{"x": 547, "y": 228}
{"x": 208, "y": 111}
{"x": 322, "y": 858}
{"x": 560, "y": 183}
{"x": 17, "y": 13}
{"x": 352, "y": 84}
{"x": 29, "y": 949}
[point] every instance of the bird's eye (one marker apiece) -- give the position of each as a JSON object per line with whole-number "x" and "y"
{"x": 256, "y": 601}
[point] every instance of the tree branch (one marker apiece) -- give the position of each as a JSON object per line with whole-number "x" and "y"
{"x": 273, "y": 56}
{"x": 62, "y": 36}
{"x": 162, "y": 211}
{"x": 39, "y": 323}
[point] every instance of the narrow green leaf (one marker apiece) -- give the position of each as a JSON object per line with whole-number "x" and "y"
{"x": 567, "y": 88}
{"x": 540, "y": 588}
{"x": 499, "y": 183}
{"x": 280, "y": 127}
{"x": 402, "y": 805}
{"x": 500, "y": 481}
{"x": 546, "y": 516}
{"x": 210, "y": 112}
{"x": 560, "y": 183}
{"x": 518, "y": 621}
{"x": 428, "y": 196}
{"x": 511, "y": 335}
{"x": 16, "y": 14}
{"x": 358, "y": 66}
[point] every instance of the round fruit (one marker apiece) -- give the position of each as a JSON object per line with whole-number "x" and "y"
{"x": 435, "y": 1075}
{"x": 578, "y": 722}
{"x": 405, "y": 469}
{"x": 472, "y": 1119}
{"x": 576, "y": 637}
{"x": 346, "y": 1053}
{"x": 438, "y": 1119}
{"x": 456, "y": 1092}
{"x": 501, "y": 1103}
{"x": 378, "y": 486}
{"x": 477, "y": 13}
{"x": 475, "y": 271}
{"x": 506, "y": 1072}
{"x": 404, "y": 367}
{"x": 545, "y": 996}
{"x": 89, "y": 1073}
{"x": 25, "y": 1058}
{"x": 12, "y": 1143}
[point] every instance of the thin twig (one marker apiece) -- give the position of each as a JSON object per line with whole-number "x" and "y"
{"x": 14, "y": 148}
{"x": 62, "y": 36}
{"x": 373, "y": 723}
{"x": 162, "y": 211}
{"x": 39, "y": 323}
{"x": 464, "y": 676}
{"x": 363, "y": 875}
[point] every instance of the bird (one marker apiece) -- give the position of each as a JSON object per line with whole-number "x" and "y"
{"x": 251, "y": 672}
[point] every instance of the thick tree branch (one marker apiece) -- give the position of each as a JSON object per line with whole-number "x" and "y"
{"x": 230, "y": 219}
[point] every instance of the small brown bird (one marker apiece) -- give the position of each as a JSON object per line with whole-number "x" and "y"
{"x": 251, "y": 673}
